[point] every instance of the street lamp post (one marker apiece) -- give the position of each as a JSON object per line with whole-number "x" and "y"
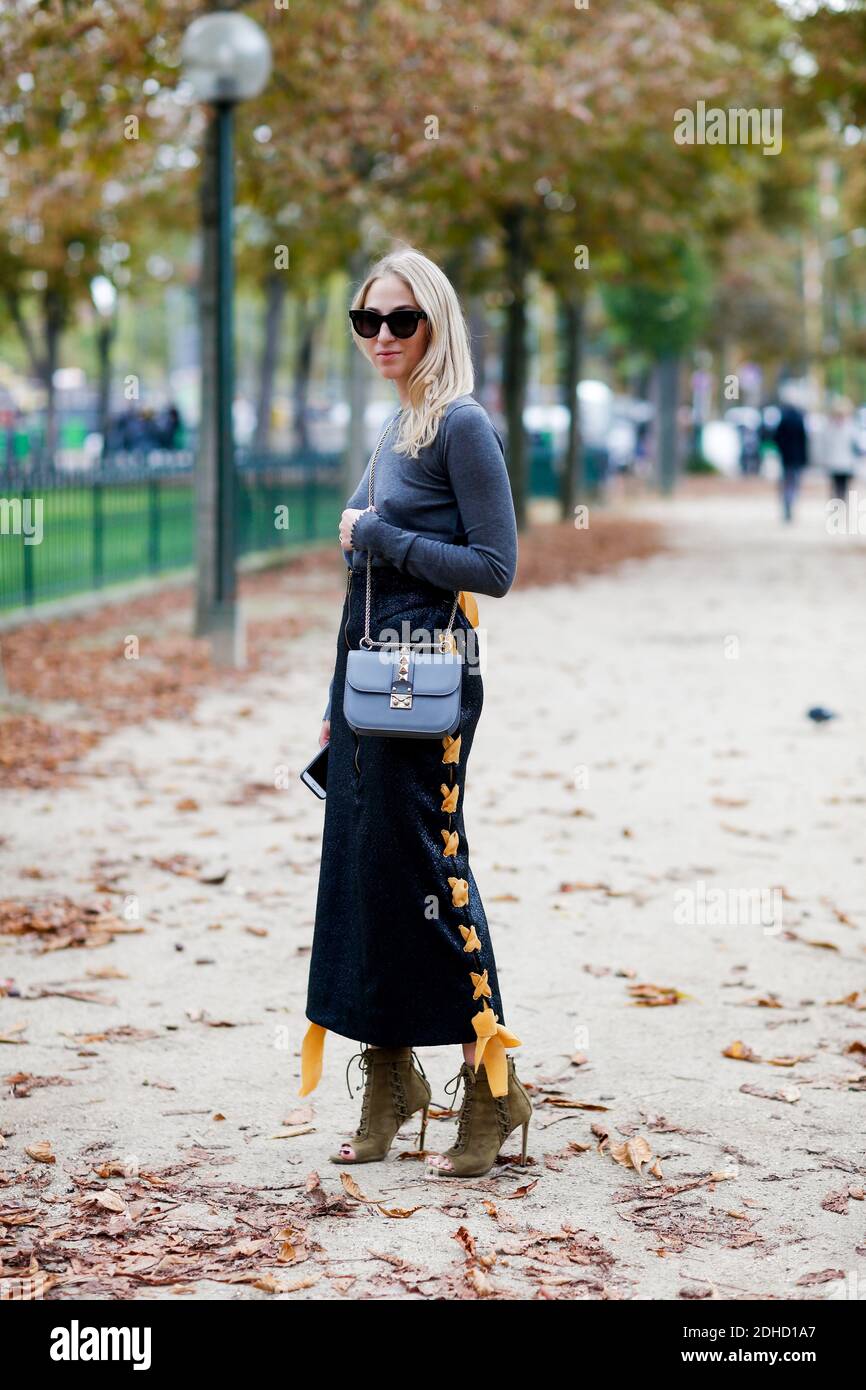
{"x": 226, "y": 59}
{"x": 103, "y": 292}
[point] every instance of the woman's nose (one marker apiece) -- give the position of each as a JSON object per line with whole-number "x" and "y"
{"x": 385, "y": 334}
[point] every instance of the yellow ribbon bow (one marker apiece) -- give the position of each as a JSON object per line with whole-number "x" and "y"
{"x": 459, "y": 891}
{"x": 470, "y": 936}
{"x": 312, "y": 1050}
{"x": 449, "y": 796}
{"x": 481, "y": 985}
{"x": 452, "y": 749}
{"x": 493, "y": 1038}
{"x": 452, "y": 839}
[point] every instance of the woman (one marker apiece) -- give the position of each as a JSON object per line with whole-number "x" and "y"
{"x": 839, "y": 453}
{"x": 401, "y": 954}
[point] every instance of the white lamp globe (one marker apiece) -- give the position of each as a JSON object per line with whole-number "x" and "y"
{"x": 226, "y": 57}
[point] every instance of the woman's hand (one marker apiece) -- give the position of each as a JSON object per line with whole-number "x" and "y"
{"x": 347, "y": 521}
{"x": 325, "y": 735}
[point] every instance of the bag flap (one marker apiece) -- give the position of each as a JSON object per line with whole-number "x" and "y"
{"x": 433, "y": 673}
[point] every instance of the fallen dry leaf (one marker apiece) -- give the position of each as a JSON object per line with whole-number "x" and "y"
{"x": 112, "y": 1201}
{"x": 9, "y": 1035}
{"x": 523, "y": 1191}
{"x": 789, "y": 1094}
{"x": 18, "y": 1216}
{"x": 655, "y": 996}
{"x": 572, "y": 1104}
{"x": 353, "y": 1190}
{"x": 741, "y": 1052}
{"x": 480, "y": 1282}
{"x": 634, "y": 1153}
{"x": 40, "y": 1151}
{"x": 59, "y": 923}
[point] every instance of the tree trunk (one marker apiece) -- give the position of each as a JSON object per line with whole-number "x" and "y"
{"x": 275, "y": 298}
{"x": 311, "y": 313}
{"x": 53, "y": 326}
{"x": 477, "y": 322}
{"x": 514, "y": 358}
{"x": 454, "y": 266}
{"x": 16, "y": 313}
{"x": 43, "y": 356}
{"x": 358, "y": 368}
{"x": 573, "y": 481}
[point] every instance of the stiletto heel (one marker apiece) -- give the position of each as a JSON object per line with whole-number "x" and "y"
{"x": 423, "y": 1129}
{"x": 525, "y": 1137}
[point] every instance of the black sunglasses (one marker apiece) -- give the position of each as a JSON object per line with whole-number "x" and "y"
{"x": 402, "y": 322}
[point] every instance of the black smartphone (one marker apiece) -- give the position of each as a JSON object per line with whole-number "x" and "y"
{"x": 315, "y": 774}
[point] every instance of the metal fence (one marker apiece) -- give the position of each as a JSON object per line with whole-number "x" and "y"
{"x": 65, "y": 532}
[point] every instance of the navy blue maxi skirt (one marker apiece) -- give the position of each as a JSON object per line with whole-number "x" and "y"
{"x": 389, "y": 963}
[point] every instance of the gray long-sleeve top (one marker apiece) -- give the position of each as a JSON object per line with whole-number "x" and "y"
{"x": 446, "y": 516}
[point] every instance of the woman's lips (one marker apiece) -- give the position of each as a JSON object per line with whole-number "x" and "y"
{"x": 392, "y": 353}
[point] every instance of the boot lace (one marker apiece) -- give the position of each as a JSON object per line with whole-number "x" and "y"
{"x": 465, "y": 1115}
{"x": 464, "y": 1119}
{"x": 398, "y": 1093}
{"x": 365, "y": 1063}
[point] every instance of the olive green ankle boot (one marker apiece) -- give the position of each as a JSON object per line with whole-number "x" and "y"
{"x": 484, "y": 1123}
{"x": 393, "y": 1090}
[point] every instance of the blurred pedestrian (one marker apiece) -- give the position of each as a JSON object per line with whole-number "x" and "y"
{"x": 791, "y": 440}
{"x": 168, "y": 427}
{"x": 750, "y": 449}
{"x": 839, "y": 455}
{"x": 148, "y": 429}
{"x": 133, "y": 429}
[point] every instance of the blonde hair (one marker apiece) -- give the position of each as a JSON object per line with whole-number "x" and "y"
{"x": 445, "y": 371}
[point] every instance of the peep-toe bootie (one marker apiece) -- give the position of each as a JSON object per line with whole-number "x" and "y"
{"x": 394, "y": 1088}
{"x": 484, "y": 1123}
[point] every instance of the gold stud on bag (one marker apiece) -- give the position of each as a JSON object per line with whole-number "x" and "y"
{"x": 402, "y": 699}
{"x": 403, "y": 689}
